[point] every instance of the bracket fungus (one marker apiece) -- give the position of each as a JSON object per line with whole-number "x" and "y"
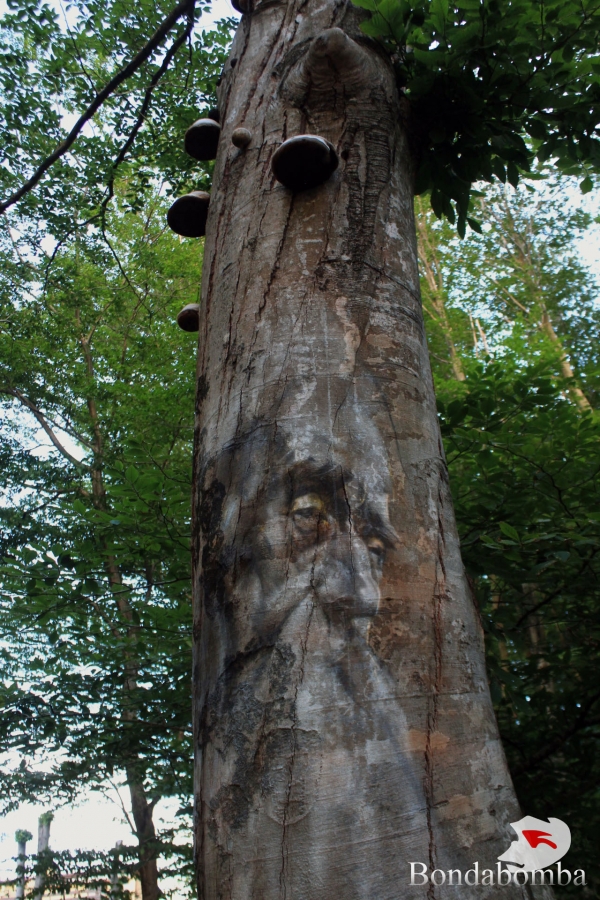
{"x": 187, "y": 216}
{"x": 201, "y": 139}
{"x": 304, "y": 161}
{"x": 242, "y": 6}
{"x": 189, "y": 317}
{"x": 241, "y": 137}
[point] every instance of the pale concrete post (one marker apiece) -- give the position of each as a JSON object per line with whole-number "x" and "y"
{"x": 21, "y": 838}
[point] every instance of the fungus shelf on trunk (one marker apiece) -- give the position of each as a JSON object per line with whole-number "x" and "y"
{"x": 202, "y": 138}
{"x": 187, "y": 215}
{"x": 241, "y": 137}
{"x": 189, "y": 317}
{"x": 304, "y": 161}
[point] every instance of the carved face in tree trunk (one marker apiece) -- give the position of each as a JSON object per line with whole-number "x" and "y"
{"x": 304, "y": 706}
{"x": 306, "y": 520}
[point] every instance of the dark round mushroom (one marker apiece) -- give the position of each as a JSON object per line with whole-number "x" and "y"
{"x": 242, "y": 6}
{"x": 187, "y": 216}
{"x": 189, "y": 317}
{"x": 241, "y": 137}
{"x": 304, "y": 161}
{"x": 201, "y": 139}
{"x": 214, "y": 114}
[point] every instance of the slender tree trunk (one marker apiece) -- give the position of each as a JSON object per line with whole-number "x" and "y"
{"x": 44, "y": 822}
{"x": 142, "y": 811}
{"x": 565, "y": 366}
{"x": 141, "y": 807}
{"x": 22, "y": 857}
{"x": 342, "y": 715}
{"x": 431, "y": 269}
{"x": 22, "y": 838}
{"x": 115, "y": 886}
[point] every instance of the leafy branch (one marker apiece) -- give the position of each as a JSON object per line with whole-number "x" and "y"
{"x": 185, "y": 7}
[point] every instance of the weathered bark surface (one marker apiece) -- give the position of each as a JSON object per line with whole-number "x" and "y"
{"x": 343, "y": 721}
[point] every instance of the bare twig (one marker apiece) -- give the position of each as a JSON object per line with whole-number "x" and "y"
{"x": 145, "y": 104}
{"x": 483, "y": 337}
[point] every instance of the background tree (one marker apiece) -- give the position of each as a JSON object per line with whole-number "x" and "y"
{"x": 517, "y": 286}
{"x": 523, "y": 465}
{"x": 96, "y": 610}
{"x": 89, "y": 289}
{"x": 524, "y": 469}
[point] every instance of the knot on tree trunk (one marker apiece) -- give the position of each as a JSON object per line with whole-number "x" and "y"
{"x": 333, "y": 64}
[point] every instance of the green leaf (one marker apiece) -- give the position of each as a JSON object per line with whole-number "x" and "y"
{"x": 474, "y": 225}
{"x": 509, "y": 531}
{"x": 512, "y": 173}
{"x": 586, "y": 185}
{"x": 486, "y": 539}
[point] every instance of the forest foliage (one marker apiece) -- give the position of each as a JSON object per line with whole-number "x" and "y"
{"x": 492, "y": 86}
{"x": 97, "y": 394}
{"x": 523, "y": 446}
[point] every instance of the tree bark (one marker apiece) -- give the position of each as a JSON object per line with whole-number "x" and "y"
{"x": 343, "y": 724}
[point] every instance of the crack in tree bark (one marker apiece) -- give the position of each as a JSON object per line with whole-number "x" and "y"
{"x": 439, "y": 595}
{"x": 303, "y": 646}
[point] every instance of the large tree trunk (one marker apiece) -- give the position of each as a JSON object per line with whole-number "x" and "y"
{"x": 343, "y": 721}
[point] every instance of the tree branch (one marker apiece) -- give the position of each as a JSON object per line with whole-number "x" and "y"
{"x": 145, "y": 104}
{"x": 182, "y": 8}
{"x": 38, "y": 414}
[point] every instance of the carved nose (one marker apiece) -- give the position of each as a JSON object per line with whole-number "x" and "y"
{"x": 365, "y": 585}
{"x": 349, "y": 583}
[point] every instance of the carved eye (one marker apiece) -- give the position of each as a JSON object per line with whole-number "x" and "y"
{"x": 307, "y": 506}
{"x": 376, "y": 548}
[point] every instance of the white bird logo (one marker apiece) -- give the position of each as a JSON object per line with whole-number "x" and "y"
{"x": 539, "y": 844}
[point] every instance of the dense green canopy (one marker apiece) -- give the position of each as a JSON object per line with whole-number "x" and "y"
{"x": 492, "y": 84}
{"x": 54, "y": 66}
